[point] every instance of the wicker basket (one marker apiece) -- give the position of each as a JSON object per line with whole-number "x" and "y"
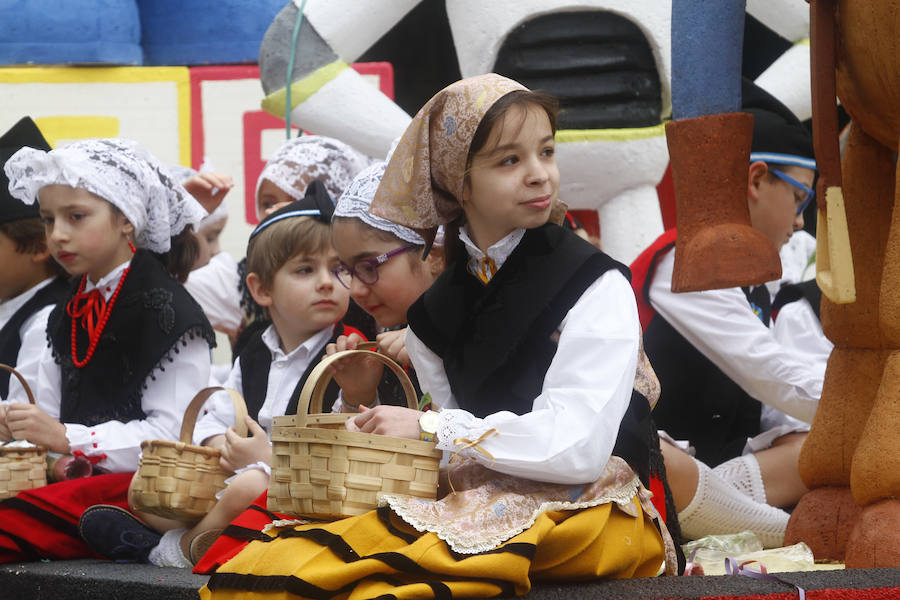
{"x": 178, "y": 480}
{"x": 323, "y": 471}
{"x": 21, "y": 468}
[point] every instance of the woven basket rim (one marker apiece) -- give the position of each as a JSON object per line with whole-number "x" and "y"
{"x": 179, "y": 446}
{"x": 30, "y": 450}
{"x": 372, "y": 441}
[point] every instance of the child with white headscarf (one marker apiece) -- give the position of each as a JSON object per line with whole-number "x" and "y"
{"x": 128, "y": 350}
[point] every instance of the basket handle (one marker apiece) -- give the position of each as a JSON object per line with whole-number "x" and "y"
{"x": 314, "y": 388}
{"x": 193, "y": 409}
{"x": 21, "y": 379}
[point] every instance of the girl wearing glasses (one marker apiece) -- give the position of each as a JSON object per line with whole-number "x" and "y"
{"x": 742, "y": 395}
{"x": 381, "y": 266}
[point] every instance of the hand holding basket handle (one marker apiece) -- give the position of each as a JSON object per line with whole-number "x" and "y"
{"x": 321, "y": 470}
{"x": 178, "y": 480}
{"x": 21, "y": 468}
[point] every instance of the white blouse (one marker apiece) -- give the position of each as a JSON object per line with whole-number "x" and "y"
{"x": 285, "y": 371}
{"x": 33, "y": 334}
{"x": 721, "y": 326}
{"x": 570, "y": 432}
{"x": 163, "y": 402}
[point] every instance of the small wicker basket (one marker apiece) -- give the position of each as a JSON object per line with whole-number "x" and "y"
{"x": 323, "y": 471}
{"x": 178, "y": 480}
{"x": 21, "y": 468}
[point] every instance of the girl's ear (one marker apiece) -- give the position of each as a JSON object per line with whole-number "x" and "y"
{"x": 41, "y": 255}
{"x": 259, "y": 291}
{"x": 127, "y": 227}
{"x": 757, "y": 172}
{"x": 435, "y": 261}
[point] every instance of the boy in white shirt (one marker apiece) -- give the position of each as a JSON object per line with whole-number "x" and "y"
{"x": 31, "y": 282}
{"x": 741, "y": 397}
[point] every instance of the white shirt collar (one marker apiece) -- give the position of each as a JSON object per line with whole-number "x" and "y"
{"x": 273, "y": 342}
{"x": 9, "y": 307}
{"x": 108, "y": 282}
{"x": 499, "y": 252}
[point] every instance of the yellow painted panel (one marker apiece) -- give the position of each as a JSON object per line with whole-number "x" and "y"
{"x": 76, "y": 127}
{"x": 610, "y": 135}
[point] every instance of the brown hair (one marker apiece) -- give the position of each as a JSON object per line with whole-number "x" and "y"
{"x": 521, "y": 98}
{"x": 182, "y": 254}
{"x": 30, "y": 237}
{"x": 274, "y": 246}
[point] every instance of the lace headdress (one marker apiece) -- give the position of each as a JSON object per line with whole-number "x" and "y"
{"x": 357, "y": 198}
{"x": 119, "y": 171}
{"x": 300, "y": 160}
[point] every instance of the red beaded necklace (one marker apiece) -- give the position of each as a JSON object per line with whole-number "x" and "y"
{"x": 87, "y": 307}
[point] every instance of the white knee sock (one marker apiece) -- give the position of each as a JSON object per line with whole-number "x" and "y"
{"x": 719, "y": 508}
{"x": 168, "y": 552}
{"x": 744, "y": 475}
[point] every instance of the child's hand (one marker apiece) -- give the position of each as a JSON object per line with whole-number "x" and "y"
{"x": 393, "y": 345}
{"x": 358, "y": 376}
{"x": 28, "y": 422}
{"x": 209, "y": 188}
{"x": 239, "y": 452}
{"x": 5, "y": 435}
{"x": 395, "y": 421}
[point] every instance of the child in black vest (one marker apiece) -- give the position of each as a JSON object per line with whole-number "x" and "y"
{"x": 743, "y": 398}
{"x": 130, "y": 347}
{"x": 290, "y": 262}
{"x": 31, "y": 282}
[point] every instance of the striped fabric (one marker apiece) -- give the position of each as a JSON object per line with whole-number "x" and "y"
{"x": 378, "y": 555}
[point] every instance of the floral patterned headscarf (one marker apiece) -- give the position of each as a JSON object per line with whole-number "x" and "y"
{"x": 424, "y": 179}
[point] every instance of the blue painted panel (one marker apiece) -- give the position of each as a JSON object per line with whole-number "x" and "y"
{"x": 70, "y": 31}
{"x": 198, "y": 32}
{"x": 707, "y": 36}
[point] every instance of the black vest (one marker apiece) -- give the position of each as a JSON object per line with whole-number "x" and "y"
{"x": 699, "y": 402}
{"x": 10, "y": 337}
{"x": 256, "y": 361}
{"x": 791, "y": 292}
{"x": 497, "y": 340}
{"x": 152, "y": 312}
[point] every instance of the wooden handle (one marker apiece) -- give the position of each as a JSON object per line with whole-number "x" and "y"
{"x": 193, "y": 409}
{"x": 314, "y": 389}
{"x": 21, "y": 379}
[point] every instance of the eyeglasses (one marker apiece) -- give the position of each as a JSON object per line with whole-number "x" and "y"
{"x": 366, "y": 270}
{"x": 808, "y": 191}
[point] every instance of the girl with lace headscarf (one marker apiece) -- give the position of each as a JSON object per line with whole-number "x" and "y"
{"x": 129, "y": 348}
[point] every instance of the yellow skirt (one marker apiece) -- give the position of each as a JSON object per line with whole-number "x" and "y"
{"x": 378, "y": 554}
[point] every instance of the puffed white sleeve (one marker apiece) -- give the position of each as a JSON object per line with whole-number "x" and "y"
{"x": 164, "y": 402}
{"x": 721, "y": 326}
{"x": 570, "y": 432}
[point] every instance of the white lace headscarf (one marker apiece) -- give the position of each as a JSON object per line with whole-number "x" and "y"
{"x": 119, "y": 171}
{"x": 300, "y": 160}
{"x": 357, "y": 198}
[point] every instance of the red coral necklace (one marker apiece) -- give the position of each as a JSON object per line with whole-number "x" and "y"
{"x": 87, "y": 307}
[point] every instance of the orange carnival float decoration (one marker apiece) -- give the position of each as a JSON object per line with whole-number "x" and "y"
{"x": 851, "y": 458}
